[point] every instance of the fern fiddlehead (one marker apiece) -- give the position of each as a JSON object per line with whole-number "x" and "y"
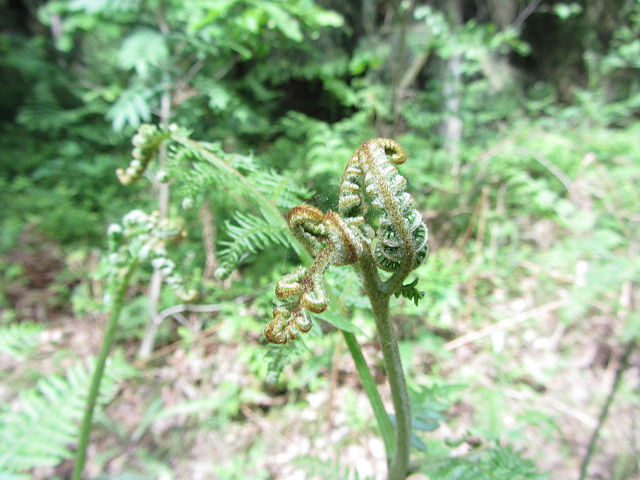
{"x": 345, "y": 238}
{"x": 145, "y": 144}
{"x": 398, "y": 246}
{"x": 330, "y": 240}
{"x": 401, "y": 233}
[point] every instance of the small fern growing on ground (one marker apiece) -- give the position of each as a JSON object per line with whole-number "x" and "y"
{"x": 38, "y": 429}
{"x": 498, "y": 463}
{"x": 18, "y": 340}
{"x": 144, "y": 238}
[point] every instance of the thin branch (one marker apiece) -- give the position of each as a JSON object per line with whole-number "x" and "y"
{"x": 542, "y": 160}
{"x": 555, "y": 404}
{"x": 177, "y": 309}
{"x": 201, "y": 335}
{"x": 182, "y": 320}
{"x": 482, "y": 223}
{"x": 155, "y": 285}
{"x": 193, "y": 70}
{"x": 209, "y": 240}
{"x": 524, "y": 14}
{"x": 505, "y": 324}
{"x": 141, "y": 362}
{"x": 622, "y": 366}
{"x": 626, "y": 305}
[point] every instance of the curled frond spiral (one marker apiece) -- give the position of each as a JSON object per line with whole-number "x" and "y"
{"x": 327, "y": 238}
{"x": 145, "y": 144}
{"x": 401, "y": 232}
{"x": 399, "y": 245}
{"x": 146, "y": 237}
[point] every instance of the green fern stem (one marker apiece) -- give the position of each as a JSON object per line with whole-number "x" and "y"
{"x": 85, "y": 428}
{"x": 398, "y": 452}
{"x": 399, "y": 466}
{"x": 268, "y": 208}
{"x": 371, "y": 389}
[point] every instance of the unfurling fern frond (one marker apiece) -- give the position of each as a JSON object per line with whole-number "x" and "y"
{"x": 248, "y": 233}
{"x": 371, "y": 170}
{"x": 327, "y": 238}
{"x": 281, "y": 191}
{"x": 38, "y": 430}
{"x": 145, "y": 144}
{"x": 344, "y": 238}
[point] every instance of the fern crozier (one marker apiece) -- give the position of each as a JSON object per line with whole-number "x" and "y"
{"x": 344, "y": 237}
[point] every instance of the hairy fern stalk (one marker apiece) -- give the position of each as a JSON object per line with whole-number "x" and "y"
{"x": 398, "y": 246}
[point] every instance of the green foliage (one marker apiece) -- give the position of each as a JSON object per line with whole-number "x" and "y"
{"x": 39, "y": 428}
{"x": 497, "y": 463}
{"x": 483, "y": 460}
{"x": 598, "y": 246}
{"x": 19, "y": 340}
{"x": 196, "y": 166}
{"x": 59, "y": 155}
{"x": 327, "y": 468}
{"x": 143, "y": 50}
{"x": 191, "y": 40}
{"x": 428, "y": 405}
{"x": 338, "y": 322}
{"x": 410, "y": 292}
{"x": 277, "y": 358}
{"x": 133, "y": 107}
{"x": 631, "y": 329}
{"x": 316, "y": 150}
{"x": 248, "y": 233}
{"x": 440, "y": 279}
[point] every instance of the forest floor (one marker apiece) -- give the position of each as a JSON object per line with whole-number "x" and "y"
{"x": 199, "y": 412}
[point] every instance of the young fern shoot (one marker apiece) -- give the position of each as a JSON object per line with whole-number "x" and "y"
{"x": 398, "y": 246}
{"x": 345, "y": 238}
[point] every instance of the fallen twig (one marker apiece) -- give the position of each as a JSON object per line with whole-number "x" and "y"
{"x": 504, "y": 324}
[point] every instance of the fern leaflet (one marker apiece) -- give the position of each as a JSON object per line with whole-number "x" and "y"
{"x": 39, "y": 431}
{"x": 18, "y": 340}
{"x": 248, "y": 233}
{"x": 282, "y": 191}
